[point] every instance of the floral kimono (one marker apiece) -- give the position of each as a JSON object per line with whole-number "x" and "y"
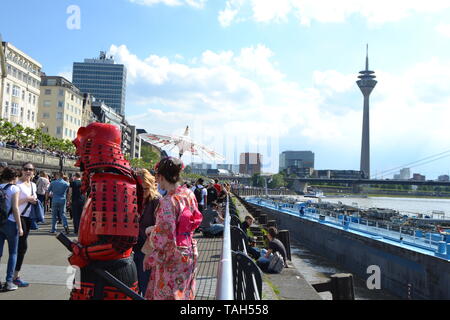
{"x": 172, "y": 267}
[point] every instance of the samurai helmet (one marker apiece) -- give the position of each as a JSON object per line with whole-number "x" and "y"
{"x": 98, "y": 146}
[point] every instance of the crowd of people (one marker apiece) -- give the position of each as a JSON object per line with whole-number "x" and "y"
{"x": 165, "y": 263}
{"x": 15, "y": 144}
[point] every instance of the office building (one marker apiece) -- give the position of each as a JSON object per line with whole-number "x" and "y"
{"x": 294, "y": 162}
{"x": 444, "y": 178}
{"x": 20, "y": 86}
{"x": 104, "y": 79}
{"x": 418, "y": 177}
{"x": 250, "y": 163}
{"x": 60, "y": 107}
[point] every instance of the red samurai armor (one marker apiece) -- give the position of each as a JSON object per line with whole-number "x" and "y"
{"x": 109, "y": 223}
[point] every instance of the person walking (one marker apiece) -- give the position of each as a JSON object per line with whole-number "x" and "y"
{"x": 42, "y": 186}
{"x": 150, "y": 203}
{"x": 12, "y": 227}
{"x": 59, "y": 188}
{"x": 77, "y": 200}
{"x": 27, "y": 197}
{"x": 201, "y": 195}
{"x": 173, "y": 251}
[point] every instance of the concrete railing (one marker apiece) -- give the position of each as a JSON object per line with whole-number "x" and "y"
{"x": 16, "y": 156}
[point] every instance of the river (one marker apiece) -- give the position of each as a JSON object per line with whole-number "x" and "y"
{"x": 409, "y": 206}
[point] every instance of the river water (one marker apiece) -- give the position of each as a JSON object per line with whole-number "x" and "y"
{"x": 409, "y": 206}
{"x": 316, "y": 268}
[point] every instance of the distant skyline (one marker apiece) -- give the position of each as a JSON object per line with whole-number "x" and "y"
{"x": 264, "y": 76}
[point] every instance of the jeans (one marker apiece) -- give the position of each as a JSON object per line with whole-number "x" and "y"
{"x": 10, "y": 233}
{"x": 58, "y": 210}
{"x": 143, "y": 276}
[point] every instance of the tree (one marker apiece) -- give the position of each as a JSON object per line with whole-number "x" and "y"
{"x": 258, "y": 181}
{"x": 277, "y": 181}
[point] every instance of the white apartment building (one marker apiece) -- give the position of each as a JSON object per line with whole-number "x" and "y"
{"x": 20, "y": 87}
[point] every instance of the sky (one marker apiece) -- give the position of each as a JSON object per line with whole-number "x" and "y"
{"x": 264, "y": 76}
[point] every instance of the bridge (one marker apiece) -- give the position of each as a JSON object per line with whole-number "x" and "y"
{"x": 301, "y": 184}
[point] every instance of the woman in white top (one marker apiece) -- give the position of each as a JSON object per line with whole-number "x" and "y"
{"x": 27, "y": 197}
{"x": 12, "y": 229}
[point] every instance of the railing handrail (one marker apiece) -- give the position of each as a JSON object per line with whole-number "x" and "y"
{"x": 224, "y": 288}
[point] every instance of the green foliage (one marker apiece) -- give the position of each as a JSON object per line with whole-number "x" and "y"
{"x": 277, "y": 181}
{"x": 148, "y": 155}
{"x": 258, "y": 181}
{"x": 27, "y": 136}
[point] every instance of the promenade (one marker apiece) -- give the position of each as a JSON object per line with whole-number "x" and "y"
{"x": 47, "y": 270}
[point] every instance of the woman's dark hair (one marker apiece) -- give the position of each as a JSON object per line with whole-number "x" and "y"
{"x": 8, "y": 174}
{"x": 26, "y": 164}
{"x": 170, "y": 168}
{"x": 273, "y": 232}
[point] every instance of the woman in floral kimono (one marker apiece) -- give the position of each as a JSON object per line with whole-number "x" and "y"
{"x": 171, "y": 251}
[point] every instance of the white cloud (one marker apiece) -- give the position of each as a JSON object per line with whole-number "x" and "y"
{"x": 326, "y": 11}
{"x": 172, "y": 3}
{"x": 443, "y": 29}
{"x": 242, "y": 98}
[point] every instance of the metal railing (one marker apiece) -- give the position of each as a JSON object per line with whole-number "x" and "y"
{"x": 224, "y": 289}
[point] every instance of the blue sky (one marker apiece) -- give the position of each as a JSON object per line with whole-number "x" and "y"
{"x": 261, "y": 75}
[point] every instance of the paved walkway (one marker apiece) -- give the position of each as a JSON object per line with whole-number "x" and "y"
{"x": 47, "y": 270}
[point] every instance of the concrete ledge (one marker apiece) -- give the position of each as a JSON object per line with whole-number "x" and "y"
{"x": 290, "y": 284}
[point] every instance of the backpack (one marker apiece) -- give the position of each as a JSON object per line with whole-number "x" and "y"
{"x": 212, "y": 194}
{"x": 276, "y": 264}
{"x": 4, "y": 214}
{"x": 198, "y": 192}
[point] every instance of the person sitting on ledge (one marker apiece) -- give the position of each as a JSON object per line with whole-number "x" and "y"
{"x": 275, "y": 245}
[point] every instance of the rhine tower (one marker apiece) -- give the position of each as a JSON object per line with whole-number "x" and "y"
{"x": 366, "y": 83}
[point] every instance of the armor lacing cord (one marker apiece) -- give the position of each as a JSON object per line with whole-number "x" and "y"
{"x": 109, "y": 247}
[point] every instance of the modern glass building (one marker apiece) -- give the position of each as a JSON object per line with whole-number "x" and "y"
{"x": 296, "y": 159}
{"x": 104, "y": 79}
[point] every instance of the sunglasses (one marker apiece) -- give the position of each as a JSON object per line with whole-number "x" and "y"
{"x": 28, "y": 169}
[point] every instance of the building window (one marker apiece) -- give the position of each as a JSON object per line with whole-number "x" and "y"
{"x": 46, "y": 115}
{"x": 34, "y": 100}
{"x": 58, "y": 130}
{"x": 28, "y": 115}
{"x": 65, "y": 132}
{"x": 32, "y": 116}
{"x": 59, "y": 116}
{"x": 8, "y": 88}
{"x": 21, "y": 113}
{"x": 16, "y": 91}
{"x": 23, "y": 94}
{"x": 61, "y": 92}
{"x": 6, "y": 108}
{"x": 14, "y": 109}
{"x": 60, "y": 104}
{"x": 29, "y": 98}
{"x": 48, "y": 92}
{"x": 47, "y": 103}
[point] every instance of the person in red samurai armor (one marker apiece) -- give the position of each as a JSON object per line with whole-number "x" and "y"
{"x": 109, "y": 223}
